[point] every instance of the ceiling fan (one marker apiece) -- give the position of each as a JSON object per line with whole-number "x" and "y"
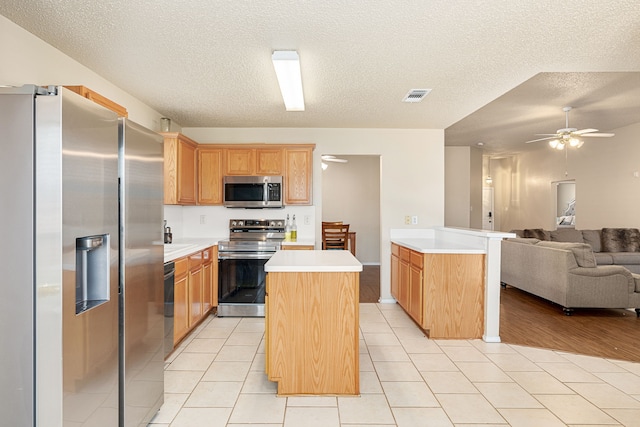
{"x": 330, "y": 158}
{"x": 569, "y": 136}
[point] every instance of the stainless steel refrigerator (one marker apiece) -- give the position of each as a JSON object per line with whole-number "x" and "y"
{"x": 61, "y": 358}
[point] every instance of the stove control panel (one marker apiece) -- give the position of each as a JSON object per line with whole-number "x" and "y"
{"x": 257, "y": 224}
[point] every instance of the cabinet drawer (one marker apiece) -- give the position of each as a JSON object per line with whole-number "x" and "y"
{"x": 207, "y": 256}
{"x": 181, "y": 266}
{"x": 195, "y": 261}
{"x": 395, "y": 250}
{"x": 405, "y": 254}
{"x": 417, "y": 259}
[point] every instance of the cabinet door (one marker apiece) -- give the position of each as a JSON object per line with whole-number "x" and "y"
{"x": 209, "y": 176}
{"x": 179, "y": 169}
{"x": 180, "y": 309}
{"x": 299, "y": 170}
{"x": 269, "y": 161}
{"x": 186, "y": 173}
{"x": 415, "y": 293}
{"x": 404, "y": 278}
{"x": 195, "y": 296}
{"x": 395, "y": 276}
{"x": 214, "y": 276}
{"x": 239, "y": 161}
{"x": 206, "y": 288}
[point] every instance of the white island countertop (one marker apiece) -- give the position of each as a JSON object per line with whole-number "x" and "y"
{"x": 312, "y": 261}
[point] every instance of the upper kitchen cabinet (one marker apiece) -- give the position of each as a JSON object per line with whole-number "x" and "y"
{"x": 179, "y": 169}
{"x": 209, "y": 175}
{"x": 298, "y": 174}
{"x": 269, "y": 161}
{"x": 253, "y": 161}
{"x": 99, "y": 99}
{"x": 239, "y": 161}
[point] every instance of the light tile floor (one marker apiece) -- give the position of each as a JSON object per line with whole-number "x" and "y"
{"x": 216, "y": 378}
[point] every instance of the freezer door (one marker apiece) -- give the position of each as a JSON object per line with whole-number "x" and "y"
{"x": 142, "y": 274}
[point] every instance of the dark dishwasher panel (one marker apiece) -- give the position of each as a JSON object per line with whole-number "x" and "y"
{"x": 169, "y": 273}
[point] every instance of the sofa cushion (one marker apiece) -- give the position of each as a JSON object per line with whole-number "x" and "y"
{"x": 593, "y": 238}
{"x": 603, "y": 258}
{"x": 620, "y": 240}
{"x": 567, "y": 235}
{"x": 528, "y": 240}
{"x": 581, "y": 251}
{"x": 625, "y": 258}
{"x": 536, "y": 233}
{"x": 518, "y": 233}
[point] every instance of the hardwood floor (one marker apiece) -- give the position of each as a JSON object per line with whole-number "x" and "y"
{"x": 370, "y": 283}
{"x": 528, "y": 320}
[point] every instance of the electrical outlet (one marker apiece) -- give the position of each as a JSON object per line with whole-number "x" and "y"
{"x": 407, "y": 220}
{"x": 414, "y": 220}
{"x": 203, "y": 219}
{"x": 307, "y": 220}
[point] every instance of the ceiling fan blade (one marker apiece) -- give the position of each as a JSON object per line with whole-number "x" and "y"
{"x": 599, "y": 135}
{"x": 546, "y": 134}
{"x": 541, "y": 139}
{"x": 583, "y": 131}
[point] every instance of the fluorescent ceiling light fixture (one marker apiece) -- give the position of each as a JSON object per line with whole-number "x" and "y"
{"x": 287, "y": 66}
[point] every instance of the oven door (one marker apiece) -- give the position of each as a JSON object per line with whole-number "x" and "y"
{"x": 241, "y": 284}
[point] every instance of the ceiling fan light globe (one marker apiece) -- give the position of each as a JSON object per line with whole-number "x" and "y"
{"x": 560, "y": 146}
{"x": 575, "y": 142}
{"x": 554, "y": 143}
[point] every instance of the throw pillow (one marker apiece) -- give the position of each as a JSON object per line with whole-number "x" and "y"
{"x": 567, "y": 235}
{"x": 581, "y": 251}
{"x": 536, "y": 233}
{"x": 620, "y": 240}
{"x": 592, "y": 237}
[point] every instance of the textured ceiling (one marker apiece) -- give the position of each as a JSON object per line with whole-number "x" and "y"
{"x": 208, "y": 63}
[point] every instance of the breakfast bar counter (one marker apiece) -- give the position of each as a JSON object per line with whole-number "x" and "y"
{"x": 311, "y": 322}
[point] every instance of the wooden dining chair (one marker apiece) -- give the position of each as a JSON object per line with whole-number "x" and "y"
{"x": 335, "y": 236}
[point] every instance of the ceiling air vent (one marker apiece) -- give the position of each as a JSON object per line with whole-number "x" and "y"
{"x": 416, "y": 95}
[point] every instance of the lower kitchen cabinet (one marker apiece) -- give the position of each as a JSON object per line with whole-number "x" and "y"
{"x": 180, "y": 300}
{"x": 442, "y": 292}
{"x": 195, "y": 290}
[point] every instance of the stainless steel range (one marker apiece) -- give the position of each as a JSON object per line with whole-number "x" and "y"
{"x": 241, "y": 259}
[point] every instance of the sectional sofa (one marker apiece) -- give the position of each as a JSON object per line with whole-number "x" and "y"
{"x": 576, "y": 268}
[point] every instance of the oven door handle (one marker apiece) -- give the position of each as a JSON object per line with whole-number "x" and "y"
{"x": 244, "y": 255}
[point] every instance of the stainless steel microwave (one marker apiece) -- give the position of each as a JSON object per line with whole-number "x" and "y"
{"x": 253, "y": 192}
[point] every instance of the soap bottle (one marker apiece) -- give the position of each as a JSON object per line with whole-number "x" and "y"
{"x": 168, "y": 236}
{"x": 287, "y": 230}
{"x": 294, "y": 230}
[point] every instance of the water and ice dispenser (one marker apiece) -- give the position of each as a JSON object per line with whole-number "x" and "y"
{"x": 92, "y": 272}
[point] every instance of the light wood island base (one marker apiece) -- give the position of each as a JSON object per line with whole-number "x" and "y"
{"x": 311, "y": 324}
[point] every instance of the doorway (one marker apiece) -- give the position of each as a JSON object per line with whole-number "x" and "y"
{"x": 488, "y": 216}
{"x": 351, "y": 194}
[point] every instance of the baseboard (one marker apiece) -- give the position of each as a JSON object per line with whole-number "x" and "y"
{"x": 387, "y": 301}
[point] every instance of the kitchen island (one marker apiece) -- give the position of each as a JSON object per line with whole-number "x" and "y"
{"x": 311, "y": 322}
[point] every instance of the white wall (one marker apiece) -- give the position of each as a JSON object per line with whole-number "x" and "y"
{"x": 411, "y": 171}
{"x": 351, "y": 194}
{"x": 607, "y": 192}
{"x": 28, "y": 60}
{"x": 457, "y": 164}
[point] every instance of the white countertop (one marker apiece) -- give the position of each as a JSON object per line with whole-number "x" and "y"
{"x": 437, "y": 246}
{"x": 313, "y": 261}
{"x": 187, "y": 246}
{"x": 300, "y": 242}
